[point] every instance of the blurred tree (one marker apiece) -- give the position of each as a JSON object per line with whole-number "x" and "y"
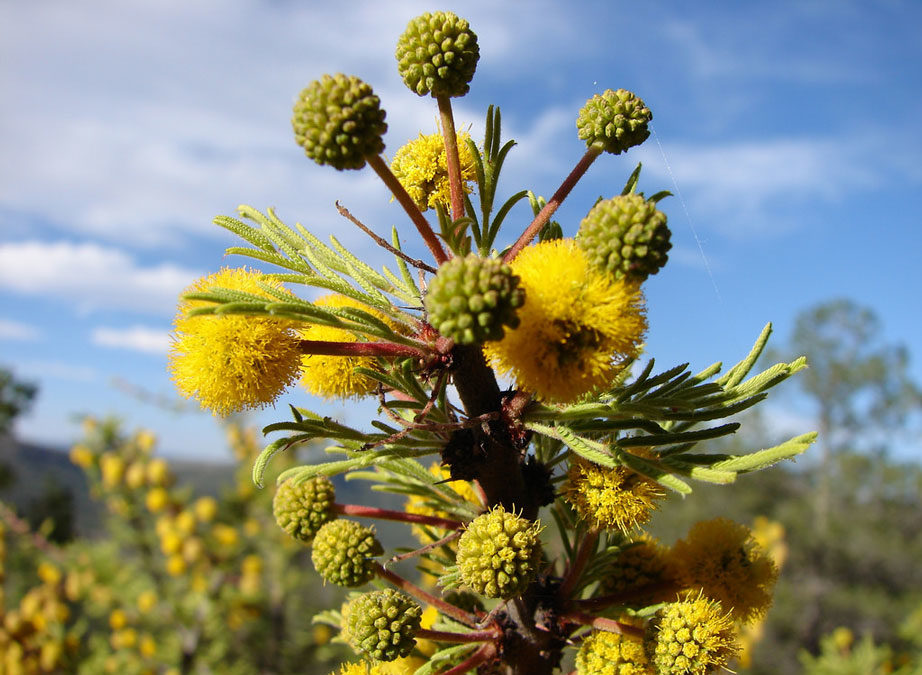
{"x": 853, "y": 519}
{"x": 15, "y": 398}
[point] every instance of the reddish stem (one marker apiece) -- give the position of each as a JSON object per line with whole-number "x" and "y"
{"x": 400, "y": 516}
{"x": 601, "y": 623}
{"x": 545, "y": 215}
{"x": 586, "y": 548}
{"x": 406, "y": 201}
{"x": 453, "y": 162}
{"x": 482, "y": 655}
{"x": 383, "y": 349}
{"x": 445, "y": 608}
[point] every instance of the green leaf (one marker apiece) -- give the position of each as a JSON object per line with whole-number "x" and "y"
{"x": 736, "y": 374}
{"x": 764, "y": 458}
{"x": 592, "y": 450}
{"x": 244, "y": 231}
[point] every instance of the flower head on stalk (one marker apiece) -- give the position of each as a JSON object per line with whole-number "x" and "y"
{"x": 231, "y": 362}
{"x": 335, "y": 376}
{"x": 611, "y": 499}
{"x": 577, "y": 326}
{"x": 421, "y": 166}
{"x": 721, "y": 558}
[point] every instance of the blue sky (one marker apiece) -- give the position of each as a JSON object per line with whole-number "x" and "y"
{"x": 789, "y": 132}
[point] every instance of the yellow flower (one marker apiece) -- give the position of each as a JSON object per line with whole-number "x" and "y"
{"x": 252, "y": 565}
{"x": 157, "y": 499}
{"x": 49, "y": 574}
{"x": 117, "y": 619}
{"x": 611, "y": 499}
{"x": 82, "y": 456}
{"x": 147, "y": 647}
{"x": 185, "y": 522}
{"x": 147, "y": 600}
{"x": 721, "y": 558}
{"x": 135, "y": 475}
{"x": 145, "y": 440}
{"x": 112, "y": 467}
{"x": 126, "y": 638}
{"x": 225, "y": 535}
{"x": 604, "y": 653}
{"x": 360, "y": 668}
{"x": 335, "y": 376}
{"x": 693, "y": 637}
{"x": 158, "y": 472}
{"x": 233, "y": 362}
{"x": 422, "y": 168}
{"x": 577, "y": 326}
{"x": 206, "y": 508}
{"x": 175, "y": 565}
{"x": 406, "y": 665}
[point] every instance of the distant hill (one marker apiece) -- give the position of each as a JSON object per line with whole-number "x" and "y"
{"x": 37, "y": 469}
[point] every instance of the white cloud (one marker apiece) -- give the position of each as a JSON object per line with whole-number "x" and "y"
{"x": 57, "y": 370}
{"x": 16, "y": 330}
{"x": 740, "y": 186}
{"x": 110, "y": 134}
{"x": 135, "y": 338}
{"x": 91, "y": 276}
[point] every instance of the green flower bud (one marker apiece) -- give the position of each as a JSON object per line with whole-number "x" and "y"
{"x": 499, "y": 553}
{"x": 302, "y": 509}
{"x": 614, "y": 121}
{"x": 382, "y": 624}
{"x": 437, "y": 54}
{"x": 627, "y": 236}
{"x": 692, "y": 637}
{"x": 342, "y": 552}
{"x": 338, "y": 121}
{"x": 470, "y": 299}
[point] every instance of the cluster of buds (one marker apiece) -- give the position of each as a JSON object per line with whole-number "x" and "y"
{"x": 575, "y": 440}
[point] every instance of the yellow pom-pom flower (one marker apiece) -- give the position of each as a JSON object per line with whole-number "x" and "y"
{"x": 610, "y": 499}
{"x": 334, "y": 376}
{"x": 577, "y": 327}
{"x": 49, "y": 574}
{"x": 233, "y": 362}
{"x": 693, "y": 637}
{"x": 113, "y": 468}
{"x": 82, "y": 456}
{"x": 604, "y": 653}
{"x": 422, "y": 168}
{"x": 205, "y": 508}
{"x": 721, "y": 558}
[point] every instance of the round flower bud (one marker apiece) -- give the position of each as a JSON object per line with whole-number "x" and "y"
{"x": 604, "y": 653}
{"x": 644, "y": 563}
{"x": 470, "y": 299}
{"x": 437, "y": 54}
{"x": 382, "y": 624}
{"x": 692, "y": 637}
{"x": 627, "y": 236}
{"x": 338, "y": 121}
{"x": 614, "y": 121}
{"x": 302, "y": 509}
{"x": 499, "y": 553}
{"x": 342, "y": 552}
